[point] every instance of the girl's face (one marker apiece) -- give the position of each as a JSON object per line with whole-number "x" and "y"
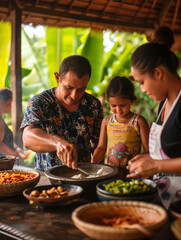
{"x": 151, "y": 85}
{"x": 120, "y": 106}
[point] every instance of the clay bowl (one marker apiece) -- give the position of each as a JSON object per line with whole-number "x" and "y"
{"x": 89, "y": 219}
{"x": 7, "y": 162}
{"x": 64, "y": 174}
{"x": 73, "y": 193}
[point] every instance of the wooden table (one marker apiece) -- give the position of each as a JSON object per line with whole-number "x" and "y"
{"x": 20, "y": 220}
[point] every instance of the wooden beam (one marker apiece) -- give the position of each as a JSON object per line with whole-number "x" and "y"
{"x": 16, "y": 73}
{"x": 82, "y": 17}
{"x": 164, "y": 11}
{"x": 175, "y": 13}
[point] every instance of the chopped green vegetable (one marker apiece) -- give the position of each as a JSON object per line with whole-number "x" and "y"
{"x": 126, "y": 187}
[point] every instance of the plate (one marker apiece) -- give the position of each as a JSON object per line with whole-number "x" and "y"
{"x": 73, "y": 192}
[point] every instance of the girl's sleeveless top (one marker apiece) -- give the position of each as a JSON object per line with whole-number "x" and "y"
{"x": 124, "y": 141}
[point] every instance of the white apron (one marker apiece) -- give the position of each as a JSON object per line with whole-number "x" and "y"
{"x": 169, "y": 187}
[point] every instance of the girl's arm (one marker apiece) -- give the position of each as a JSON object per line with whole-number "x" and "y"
{"x": 100, "y": 151}
{"x": 144, "y": 133}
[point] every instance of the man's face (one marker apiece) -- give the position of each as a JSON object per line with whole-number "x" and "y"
{"x": 71, "y": 88}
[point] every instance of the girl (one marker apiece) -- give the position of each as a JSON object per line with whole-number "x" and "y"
{"x": 154, "y": 66}
{"x": 122, "y": 133}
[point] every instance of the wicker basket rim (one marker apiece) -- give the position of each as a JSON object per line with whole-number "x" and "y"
{"x": 136, "y": 204}
{"x": 36, "y": 173}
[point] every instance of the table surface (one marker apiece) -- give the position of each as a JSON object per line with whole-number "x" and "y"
{"x": 21, "y": 220}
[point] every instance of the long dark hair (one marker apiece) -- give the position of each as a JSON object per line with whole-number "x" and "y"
{"x": 151, "y": 55}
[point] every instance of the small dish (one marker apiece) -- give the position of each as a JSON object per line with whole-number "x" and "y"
{"x": 73, "y": 192}
{"x": 7, "y": 162}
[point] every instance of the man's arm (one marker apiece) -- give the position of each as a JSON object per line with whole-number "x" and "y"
{"x": 37, "y": 140}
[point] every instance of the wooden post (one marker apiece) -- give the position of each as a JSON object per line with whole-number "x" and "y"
{"x": 16, "y": 74}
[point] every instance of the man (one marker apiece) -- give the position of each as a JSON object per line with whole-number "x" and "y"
{"x": 62, "y": 124}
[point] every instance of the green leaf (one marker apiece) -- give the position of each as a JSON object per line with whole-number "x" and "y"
{"x": 93, "y": 49}
{"x": 59, "y": 45}
{"x": 5, "y": 48}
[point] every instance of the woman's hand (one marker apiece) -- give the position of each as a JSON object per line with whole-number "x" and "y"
{"x": 21, "y": 153}
{"x": 142, "y": 166}
{"x": 67, "y": 153}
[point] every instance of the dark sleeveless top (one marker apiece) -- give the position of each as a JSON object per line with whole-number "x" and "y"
{"x": 8, "y": 137}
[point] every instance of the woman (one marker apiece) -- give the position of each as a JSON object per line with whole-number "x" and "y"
{"x": 154, "y": 67}
{"x": 7, "y": 146}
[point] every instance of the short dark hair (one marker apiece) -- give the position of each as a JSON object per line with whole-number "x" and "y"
{"x": 77, "y": 64}
{"x": 151, "y": 55}
{"x": 5, "y": 94}
{"x": 121, "y": 86}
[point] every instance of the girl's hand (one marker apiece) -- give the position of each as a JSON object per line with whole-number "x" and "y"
{"x": 142, "y": 166}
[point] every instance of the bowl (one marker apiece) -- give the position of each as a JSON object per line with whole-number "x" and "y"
{"x": 149, "y": 196}
{"x": 16, "y": 188}
{"x": 73, "y": 193}
{"x": 89, "y": 219}
{"x": 64, "y": 174}
{"x": 7, "y": 162}
{"x": 175, "y": 209}
{"x": 176, "y": 228}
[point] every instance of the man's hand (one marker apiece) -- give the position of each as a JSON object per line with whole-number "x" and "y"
{"x": 67, "y": 153}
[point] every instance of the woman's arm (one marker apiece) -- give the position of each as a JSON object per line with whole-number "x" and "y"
{"x": 100, "y": 151}
{"x": 144, "y": 133}
{"x": 37, "y": 140}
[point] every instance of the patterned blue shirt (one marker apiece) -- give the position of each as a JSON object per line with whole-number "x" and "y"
{"x": 77, "y": 127}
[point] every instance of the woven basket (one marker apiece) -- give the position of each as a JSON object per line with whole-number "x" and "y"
{"x": 88, "y": 218}
{"x": 12, "y": 189}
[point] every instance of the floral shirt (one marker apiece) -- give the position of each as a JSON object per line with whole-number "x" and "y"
{"x": 77, "y": 127}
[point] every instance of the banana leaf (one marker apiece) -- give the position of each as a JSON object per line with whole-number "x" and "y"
{"x": 93, "y": 49}
{"x": 59, "y": 45}
{"x": 5, "y": 48}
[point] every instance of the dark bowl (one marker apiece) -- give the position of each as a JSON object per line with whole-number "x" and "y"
{"x": 148, "y": 196}
{"x": 7, "y": 162}
{"x": 73, "y": 193}
{"x": 175, "y": 209}
{"x": 63, "y": 174}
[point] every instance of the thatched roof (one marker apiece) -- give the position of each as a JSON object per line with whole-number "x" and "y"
{"x": 124, "y": 15}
